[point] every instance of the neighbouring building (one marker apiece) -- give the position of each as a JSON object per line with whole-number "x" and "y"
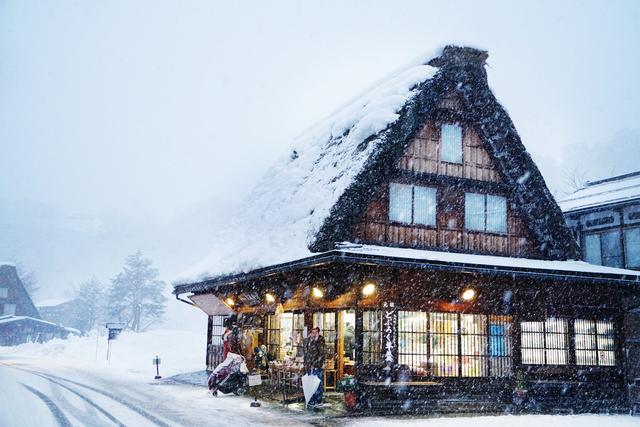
{"x": 605, "y": 218}
{"x": 414, "y": 229}
{"x": 19, "y": 319}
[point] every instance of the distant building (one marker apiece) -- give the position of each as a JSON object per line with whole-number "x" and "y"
{"x": 19, "y": 319}
{"x": 605, "y": 218}
{"x": 60, "y": 311}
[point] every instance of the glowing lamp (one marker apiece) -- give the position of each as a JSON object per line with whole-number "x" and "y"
{"x": 269, "y": 298}
{"x": 230, "y": 302}
{"x": 317, "y": 293}
{"x": 468, "y": 294}
{"x": 368, "y": 289}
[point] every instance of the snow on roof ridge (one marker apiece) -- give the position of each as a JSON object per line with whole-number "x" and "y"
{"x": 297, "y": 193}
{"x": 7, "y": 263}
{"x": 603, "y": 193}
{"x": 52, "y": 302}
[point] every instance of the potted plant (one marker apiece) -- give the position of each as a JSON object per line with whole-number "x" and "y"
{"x": 349, "y": 386}
{"x": 520, "y": 392}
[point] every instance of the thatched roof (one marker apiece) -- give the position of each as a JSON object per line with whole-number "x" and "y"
{"x": 311, "y": 199}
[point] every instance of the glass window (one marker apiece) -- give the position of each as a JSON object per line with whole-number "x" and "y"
{"x": 485, "y": 212}
{"x": 412, "y": 341}
{"x": 9, "y": 309}
{"x": 444, "y": 344}
{"x": 632, "y": 247}
{"x": 411, "y": 204}
{"x": 500, "y": 346}
{"x": 327, "y": 324}
{"x": 4, "y": 292}
{"x": 545, "y": 343}
{"x": 273, "y": 336}
{"x": 371, "y": 337}
{"x": 424, "y": 205}
{"x": 611, "y": 249}
{"x": 400, "y": 200}
{"x": 594, "y": 342}
{"x": 473, "y": 340}
{"x": 592, "y": 249}
{"x": 451, "y": 143}
{"x": 496, "y": 214}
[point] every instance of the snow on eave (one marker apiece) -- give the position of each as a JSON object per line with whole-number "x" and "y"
{"x": 488, "y": 260}
{"x": 295, "y": 196}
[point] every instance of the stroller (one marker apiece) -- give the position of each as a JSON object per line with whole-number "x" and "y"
{"x": 230, "y": 376}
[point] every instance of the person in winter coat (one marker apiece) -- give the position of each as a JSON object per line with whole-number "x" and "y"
{"x": 314, "y": 359}
{"x": 231, "y": 341}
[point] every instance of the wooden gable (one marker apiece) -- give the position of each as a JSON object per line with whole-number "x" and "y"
{"x": 421, "y": 165}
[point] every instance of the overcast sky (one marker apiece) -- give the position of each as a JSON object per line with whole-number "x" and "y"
{"x": 144, "y": 108}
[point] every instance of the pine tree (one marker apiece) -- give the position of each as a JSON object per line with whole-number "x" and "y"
{"x": 136, "y": 297}
{"x": 88, "y": 302}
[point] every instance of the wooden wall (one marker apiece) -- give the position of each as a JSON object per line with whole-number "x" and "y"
{"x": 423, "y": 155}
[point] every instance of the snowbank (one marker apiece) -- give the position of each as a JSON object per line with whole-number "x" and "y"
{"x": 180, "y": 351}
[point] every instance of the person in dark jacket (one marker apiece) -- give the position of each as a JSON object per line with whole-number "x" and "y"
{"x": 314, "y": 359}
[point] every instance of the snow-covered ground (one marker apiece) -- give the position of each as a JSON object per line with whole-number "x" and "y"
{"x": 69, "y": 382}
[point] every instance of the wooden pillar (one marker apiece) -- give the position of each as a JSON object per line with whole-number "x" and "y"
{"x": 209, "y": 337}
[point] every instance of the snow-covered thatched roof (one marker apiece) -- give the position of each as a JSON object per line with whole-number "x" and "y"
{"x": 617, "y": 189}
{"x": 311, "y": 198}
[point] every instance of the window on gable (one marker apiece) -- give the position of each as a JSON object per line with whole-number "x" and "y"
{"x": 412, "y": 204}
{"x": 4, "y": 292}
{"x": 451, "y": 143}
{"x": 485, "y": 212}
{"x": 9, "y": 309}
{"x": 603, "y": 248}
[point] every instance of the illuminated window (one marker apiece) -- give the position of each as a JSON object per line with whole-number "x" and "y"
{"x": 500, "y": 346}
{"x": 371, "y": 337}
{"x": 444, "y": 344}
{"x": 412, "y": 204}
{"x": 545, "y": 343}
{"x": 412, "y": 341}
{"x": 327, "y": 324}
{"x": 273, "y": 336}
{"x": 594, "y": 342}
{"x": 451, "y": 143}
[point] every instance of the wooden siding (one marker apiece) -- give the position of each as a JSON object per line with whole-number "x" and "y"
{"x": 423, "y": 155}
{"x": 374, "y": 227}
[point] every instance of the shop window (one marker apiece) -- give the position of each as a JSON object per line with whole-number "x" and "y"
{"x": 603, "y": 248}
{"x": 485, "y": 212}
{"x": 412, "y": 341}
{"x": 412, "y": 204}
{"x": 4, "y": 292}
{"x": 451, "y": 143}
{"x": 371, "y": 337}
{"x": 545, "y": 343}
{"x": 594, "y": 342}
{"x": 500, "y": 350}
{"x": 273, "y": 336}
{"x": 473, "y": 341}
{"x": 632, "y": 247}
{"x": 444, "y": 344}
{"x": 327, "y": 324}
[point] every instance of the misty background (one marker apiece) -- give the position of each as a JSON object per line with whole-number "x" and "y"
{"x": 129, "y": 125}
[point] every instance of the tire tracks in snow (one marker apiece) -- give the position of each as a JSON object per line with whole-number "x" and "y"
{"x": 55, "y": 410}
{"x": 56, "y": 380}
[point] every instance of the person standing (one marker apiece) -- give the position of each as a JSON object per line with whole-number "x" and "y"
{"x": 314, "y": 358}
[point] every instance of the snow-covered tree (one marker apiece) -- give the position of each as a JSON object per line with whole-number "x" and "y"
{"x": 136, "y": 297}
{"x": 88, "y": 302}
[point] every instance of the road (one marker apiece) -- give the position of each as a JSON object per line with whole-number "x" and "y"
{"x": 33, "y": 393}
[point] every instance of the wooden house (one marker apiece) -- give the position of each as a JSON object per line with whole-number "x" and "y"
{"x": 19, "y": 319}
{"x": 415, "y": 230}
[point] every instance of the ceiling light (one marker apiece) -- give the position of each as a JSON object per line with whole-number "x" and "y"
{"x": 269, "y": 298}
{"x": 468, "y": 294}
{"x": 368, "y": 289}
{"x": 317, "y": 293}
{"x": 230, "y": 302}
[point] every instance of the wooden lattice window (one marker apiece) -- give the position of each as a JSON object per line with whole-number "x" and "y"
{"x": 473, "y": 349}
{"x": 273, "y": 335}
{"x": 371, "y": 337}
{"x": 545, "y": 343}
{"x": 412, "y": 341}
{"x": 594, "y": 342}
{"x": 327, "y": 324}
{"x": 500, "y": 347}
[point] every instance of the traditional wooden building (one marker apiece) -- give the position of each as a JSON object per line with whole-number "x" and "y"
{"x": 19, "y": 319}
{"x": 415, "y": 230}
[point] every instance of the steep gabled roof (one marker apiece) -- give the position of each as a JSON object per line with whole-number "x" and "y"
{"x": 617, "y": 189}
{"x": 9, "y": 277}
{"x": 311, "y": 199}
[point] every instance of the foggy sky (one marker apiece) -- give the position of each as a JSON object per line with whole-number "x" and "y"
{"x": 126, "y": 112}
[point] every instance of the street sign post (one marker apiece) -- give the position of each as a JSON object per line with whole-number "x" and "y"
{"x": 156, "y": 361}
{"x": 255, "y": 380}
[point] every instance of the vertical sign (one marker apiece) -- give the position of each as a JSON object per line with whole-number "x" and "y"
{"x": 390, "y": 326}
